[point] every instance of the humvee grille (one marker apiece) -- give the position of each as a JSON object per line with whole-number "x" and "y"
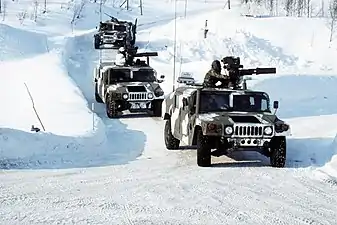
{"x": 137, "y": 96}
{"x": 248, "y": 130}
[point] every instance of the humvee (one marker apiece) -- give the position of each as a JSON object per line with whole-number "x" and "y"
{"x": 134, "y": 86}
{"x": 225, "y": 120}
{"x": 116, "y": 33}
{"x": 231, "y": 118}
{"x": 185, "y": 78}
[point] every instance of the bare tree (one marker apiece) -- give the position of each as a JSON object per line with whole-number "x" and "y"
{"x": 78, "y": 8}
{"x": 45, "y": 7}
{"x": 309, "y": 8}
{"x": 22, "y": 16}
{"x": 36, "y": 6}
{"x": 333, "y": 17}
{"x": 271, "y": 7}
{"x": 300, "y": 7}
{"x": 289, "y": 7}
{"x": 4, "y": 9}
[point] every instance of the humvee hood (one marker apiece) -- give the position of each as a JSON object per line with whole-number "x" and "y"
{"x": 135, "y": 87}
{"x": 237, "y": 117}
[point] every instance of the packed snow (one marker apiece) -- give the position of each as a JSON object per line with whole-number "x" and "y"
{"x": 88, "y": 169}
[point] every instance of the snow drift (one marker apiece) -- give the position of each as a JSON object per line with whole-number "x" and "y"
{"x": 71, "y": 130}
{"x": 17, "y": 44}
{"x": 328, "y": 172}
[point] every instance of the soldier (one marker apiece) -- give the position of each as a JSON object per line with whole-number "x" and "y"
{"x": 214, "y": 75}
{"x": 120, "y": 57}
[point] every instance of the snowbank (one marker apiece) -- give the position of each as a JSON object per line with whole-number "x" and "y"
{"x": 59, "y": 103}
{"x": 73, "y": 133}
{"x": 17, "y": 44}
{"x": 332, "y": 165}
{"x": 260, "y": 42}
{"x": 330, "y": 168}
{"x": 20, "y": 149}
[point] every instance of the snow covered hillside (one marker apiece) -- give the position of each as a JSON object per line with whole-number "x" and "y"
{"x": 88, "y": 169}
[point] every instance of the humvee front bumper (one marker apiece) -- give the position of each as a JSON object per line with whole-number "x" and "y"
{"x": 249, "y": 142}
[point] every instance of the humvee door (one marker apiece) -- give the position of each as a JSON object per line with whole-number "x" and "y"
{"x": 100, "y": 82}
{"x": 187, "y": 116}
{"x": 175, "y": 114}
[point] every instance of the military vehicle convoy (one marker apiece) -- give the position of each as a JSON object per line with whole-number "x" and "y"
{"x": 133, "y": 86}
{"x": 225, "y": 119}
{"x": 218, "y": 120}
{"x": 115, "y": 33}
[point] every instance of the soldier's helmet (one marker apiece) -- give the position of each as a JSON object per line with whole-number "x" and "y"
{"x": 121, "y": 50}
{"x": 216, "y": 66}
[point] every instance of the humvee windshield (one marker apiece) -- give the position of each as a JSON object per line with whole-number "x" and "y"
{"x": 124, "y": 75}
{"x": 214, "y": 101}
{"x": 106, "y": 26}
{"x": 110, "y": 27}
{"x": 144, "y": 75}
{"x": 254, "y": 102}
{"x": 219, "y": 101}
{"x": 119, "y": 27}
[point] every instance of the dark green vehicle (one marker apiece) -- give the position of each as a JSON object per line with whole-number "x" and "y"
{"x": 224, "y": 120}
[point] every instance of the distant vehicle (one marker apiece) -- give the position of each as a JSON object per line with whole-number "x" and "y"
{"x": 224, "y": 119}
{"x": 185, "y": 78}
{"x": 133, "y": 86}
{"x": 116, "y": 33}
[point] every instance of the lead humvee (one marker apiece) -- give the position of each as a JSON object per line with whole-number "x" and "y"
{"x": 225, "y": 119}
{"x": 133, "y": 86}
{"x": 116, "y": 33}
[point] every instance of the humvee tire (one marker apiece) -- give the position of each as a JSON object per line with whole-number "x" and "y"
{"x": 203, "y": 150}
{"x": 171, "y": 142}
{"x": 111, "y": 107}
{"x": 278, "y": 151}
{"x": 97, "y": 97}
{"x": 156, "y": 107}
{"x": 96, "y": 42}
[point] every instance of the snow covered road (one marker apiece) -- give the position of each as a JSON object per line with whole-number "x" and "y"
{"x": 120, "y": 172}
{"x": 149, "y": 191}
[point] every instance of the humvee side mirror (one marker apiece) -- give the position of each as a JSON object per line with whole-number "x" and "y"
{"x": 185, "y": 102}
{"x": 161, "y": 79}
{"x": 275, "y": 105}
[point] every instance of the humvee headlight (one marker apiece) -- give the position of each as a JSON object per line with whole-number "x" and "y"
{"x": 268, "y": 130}
{"x": 229, "y": 130}
{"x": 150, "y": 95}
{"x": 125, "y": 96}
{"x": 159, "y": 93}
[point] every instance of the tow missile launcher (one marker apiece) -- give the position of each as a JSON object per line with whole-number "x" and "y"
{"x": 236, "y": 72}
{"x": 131, "y": 54}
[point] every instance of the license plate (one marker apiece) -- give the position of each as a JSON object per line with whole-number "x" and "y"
{"x": 138, "y": 105}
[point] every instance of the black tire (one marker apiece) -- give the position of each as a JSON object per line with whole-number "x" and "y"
{"x": 170, "y": 141}
{"x": 278, "y": 152}
{"x": 203, "y": 150}
{"x": 111, "y": 108}
{"x": 156, "y": 107}
{"x": 97, "y": 97}
{"x": 96, "y": 42}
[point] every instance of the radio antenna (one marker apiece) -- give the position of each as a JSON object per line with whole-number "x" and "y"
{"x": 174, "y": 44}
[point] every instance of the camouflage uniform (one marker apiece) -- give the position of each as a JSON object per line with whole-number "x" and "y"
{"x": 214, "y": 75}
